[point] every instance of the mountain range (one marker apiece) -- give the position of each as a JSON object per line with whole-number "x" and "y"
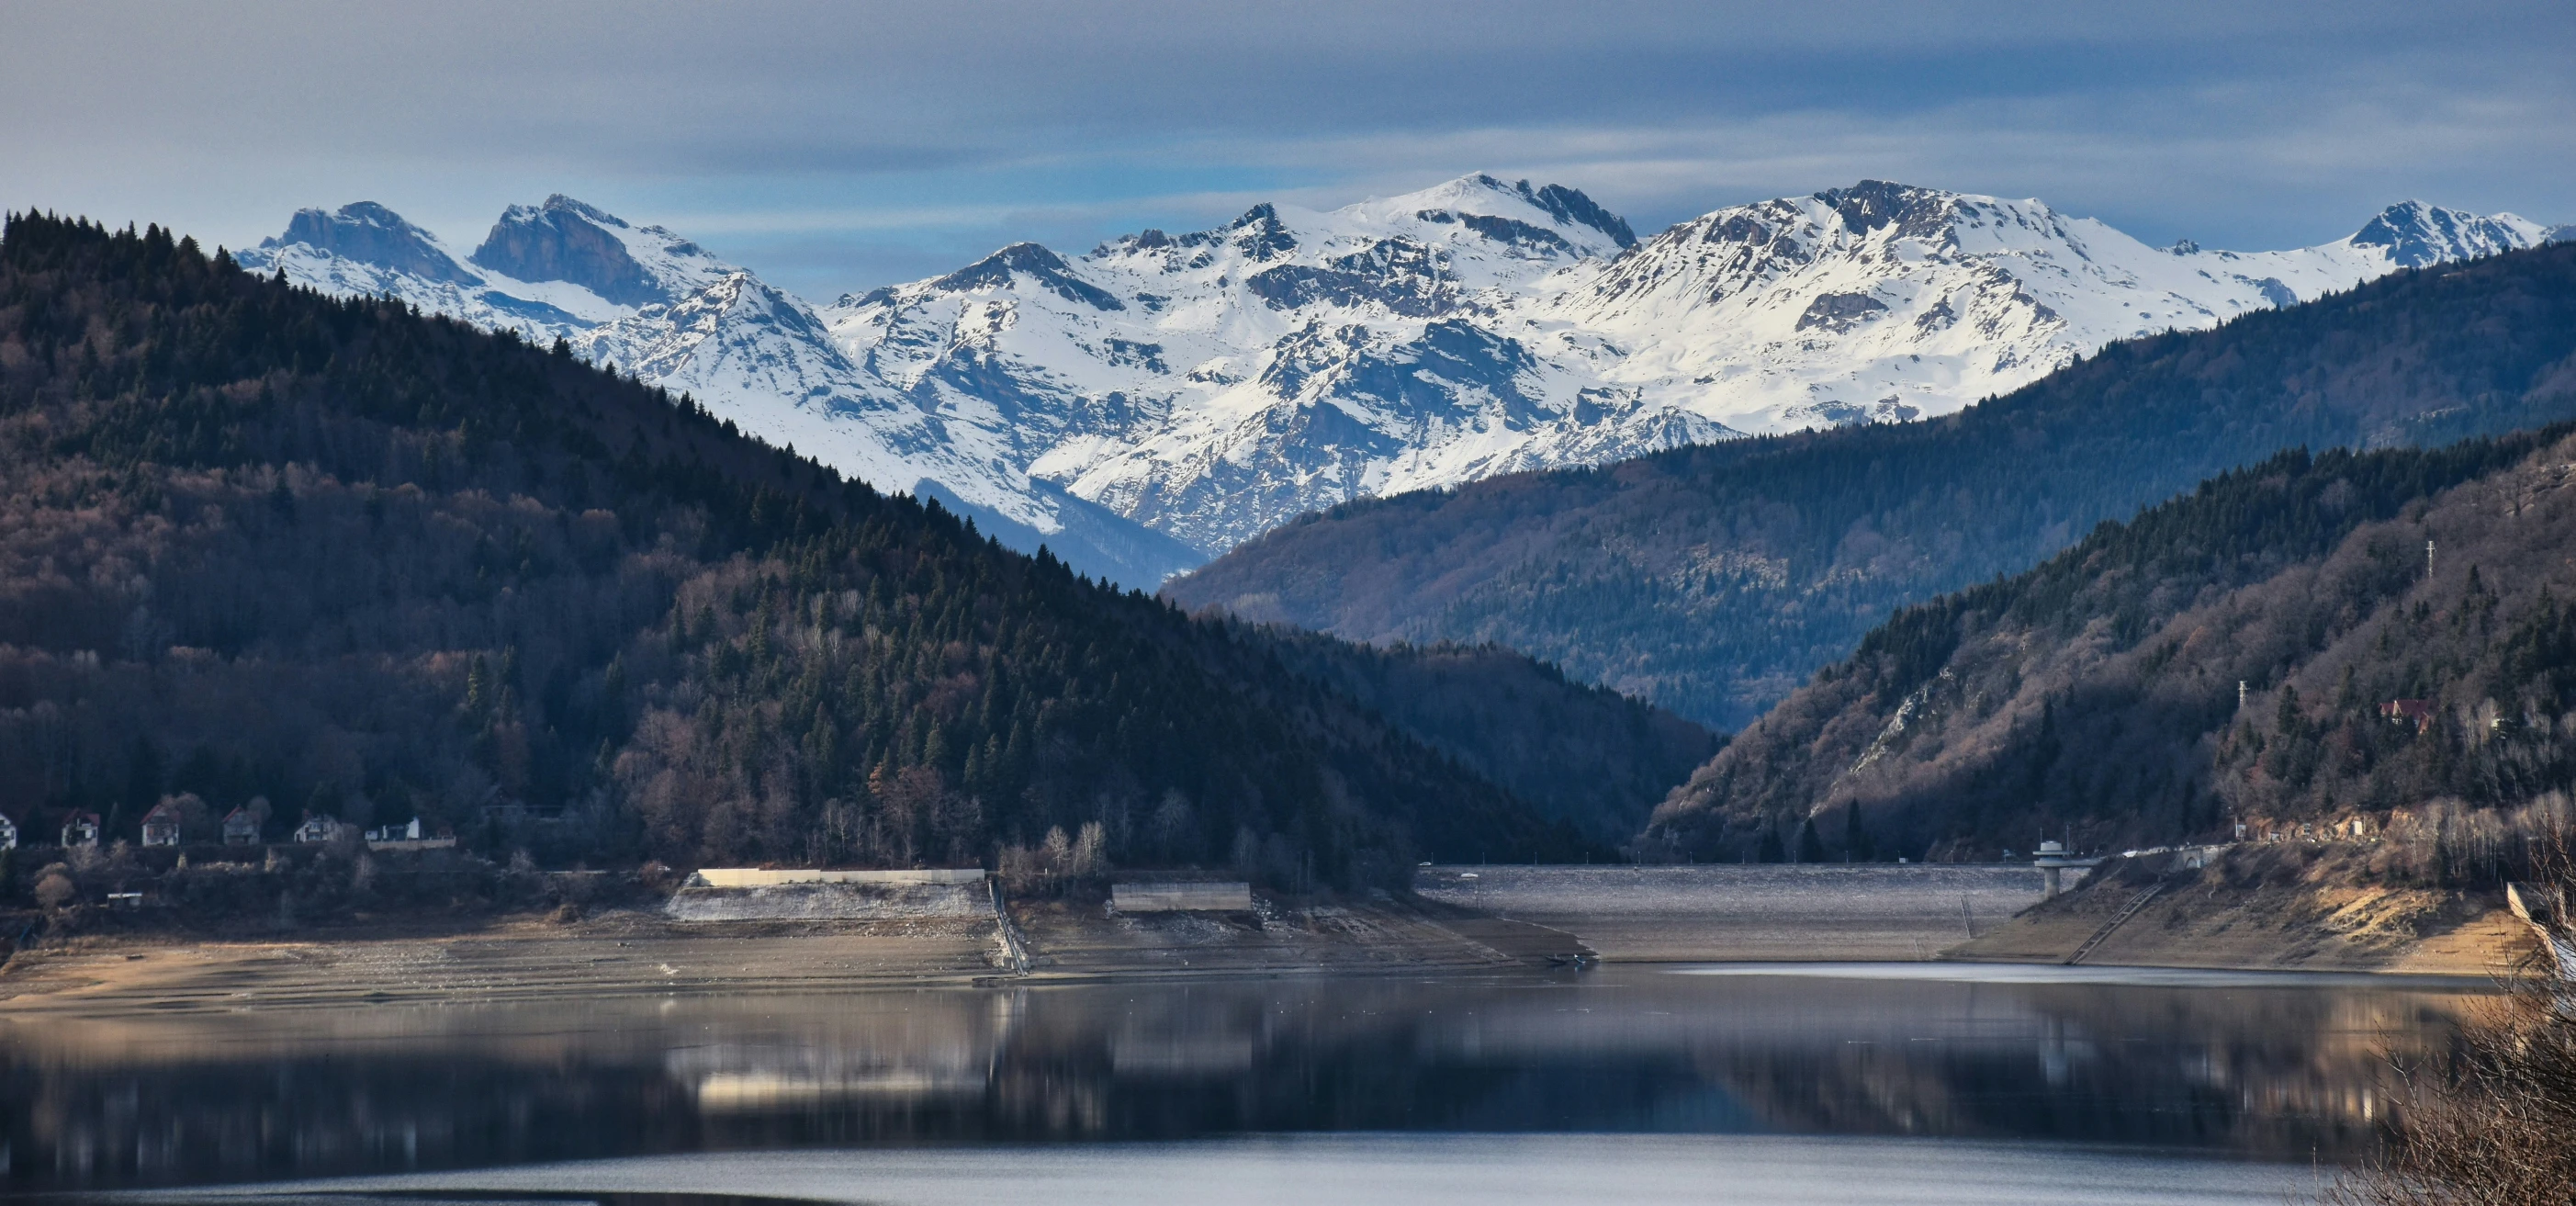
{"x": 1713, "y": 580}
{"x": 1162, "y": 398}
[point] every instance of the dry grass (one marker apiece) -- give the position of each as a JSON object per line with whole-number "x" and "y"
{"x": 2492, "y": 1122}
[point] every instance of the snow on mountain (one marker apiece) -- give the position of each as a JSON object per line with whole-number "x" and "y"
{"x": 1211, "y": 385}
{"x": 1883, "y": 302}
{"x": 1163, "y": 397}
{"x": 654, "y": 304}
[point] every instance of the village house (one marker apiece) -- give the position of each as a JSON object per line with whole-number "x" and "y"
{"x": 396, "y": 833}
{"x": 161, "y": 825}
{"x": 2417, "y": 712}
{"x": 80, "y": 829}
{"x": 241, "y": 828}
{"x": 8, "y": 834}
{"x": 316, "y": 830}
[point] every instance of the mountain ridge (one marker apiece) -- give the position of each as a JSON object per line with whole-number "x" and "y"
{"x": 1210, "y": 385}
{"x": 1713, "y": 580}
{"x": 2274, "y": 650}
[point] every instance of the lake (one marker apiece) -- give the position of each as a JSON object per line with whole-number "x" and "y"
{"x": 1739, "y": 1083}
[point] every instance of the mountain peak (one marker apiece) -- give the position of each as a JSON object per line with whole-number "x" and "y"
{"x": 1571, "y": 206}
{"x": 2415, "y": 234}
{"x": 1034, "y": 262}
{"x": 369, "y": 233}
{"x": 565, "y": 240}
{"x": 1483, "y": 193}
{"x": 1871, "y": 204}
{"x": 560, "y": 203}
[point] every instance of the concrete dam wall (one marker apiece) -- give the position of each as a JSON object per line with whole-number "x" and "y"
{"x": 1763, "y": 912}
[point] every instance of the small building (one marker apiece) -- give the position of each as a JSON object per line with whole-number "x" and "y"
{"x": 317, "y": 830}
{"x": 8, "y": 834}
{"x": 396, "y": 833}
{"x": 161, "y": 825}
{"x": 241, "y": 828}
{"x": 2417, "y": 712}
{"x": 80, "y": 830}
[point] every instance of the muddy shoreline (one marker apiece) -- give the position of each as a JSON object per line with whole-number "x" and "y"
{"x": 1463, "y": 921}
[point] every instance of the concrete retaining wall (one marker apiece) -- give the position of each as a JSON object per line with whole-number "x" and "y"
{"x": 754, "y": 877}
{"x": 833, "y": 901}
{"x": 1174, "y": 898}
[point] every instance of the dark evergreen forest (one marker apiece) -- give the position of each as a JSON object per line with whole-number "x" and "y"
{"x": 2279, "y": 650}
{"x": 1589, "y": 756}
{"x": 1713, "y": 580}
{"x": 264, "y": 549}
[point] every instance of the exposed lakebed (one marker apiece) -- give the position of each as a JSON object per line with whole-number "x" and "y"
{"x": 1763, "y": 1083}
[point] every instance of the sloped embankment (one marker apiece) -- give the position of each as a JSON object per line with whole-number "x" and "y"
{"x": 2292, "y": 905}
{"x": 831, "y": 902}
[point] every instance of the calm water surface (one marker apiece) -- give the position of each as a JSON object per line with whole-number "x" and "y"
{"x": 1879, "y": 1083}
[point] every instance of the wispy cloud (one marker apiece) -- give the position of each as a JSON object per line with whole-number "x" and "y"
{"x": 832, "y": 145}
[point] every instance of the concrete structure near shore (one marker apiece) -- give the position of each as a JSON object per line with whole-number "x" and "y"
{"x": 1234, "y": 897}
{"x": 771, "y": 877}
{"x": 1761, "y": 912}
{"x": 2054, "y": 860}
{"x": 757, "y": 894}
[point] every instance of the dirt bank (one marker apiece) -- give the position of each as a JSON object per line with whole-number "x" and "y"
{"x": 2288, "y": 905}
{"x": 644, "y": 952}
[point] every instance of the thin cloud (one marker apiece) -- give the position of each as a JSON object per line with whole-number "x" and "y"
{"x": 839, "y": 146}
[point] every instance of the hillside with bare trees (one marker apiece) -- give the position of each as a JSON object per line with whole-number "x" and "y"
{"x": 2342, "y": 643}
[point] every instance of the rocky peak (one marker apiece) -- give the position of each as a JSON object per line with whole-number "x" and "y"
{"x": 565, "y": 240}
{"x": 1261, "y": 234}
{"x": 1871, "y": 204}
{"x": 1571, "y": 206}
{"x": 2416, "y": 234}
{"x": 372, "y": 234}
{"x": 1034, "y": 263}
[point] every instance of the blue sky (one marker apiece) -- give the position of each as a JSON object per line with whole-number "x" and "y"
{"x": 836, "y": 147}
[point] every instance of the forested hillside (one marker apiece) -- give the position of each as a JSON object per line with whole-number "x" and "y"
{"x": 1589, "y": 756}
{"x": 2097, "y": 696}
{"x": 1713, "y": 580}
{"x": 263, "y": 548}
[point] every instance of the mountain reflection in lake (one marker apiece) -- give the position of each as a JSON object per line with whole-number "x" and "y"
{"x": 2270, "y": 1068}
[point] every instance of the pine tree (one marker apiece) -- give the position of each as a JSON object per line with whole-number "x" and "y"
{"x": 1811, "y": 849}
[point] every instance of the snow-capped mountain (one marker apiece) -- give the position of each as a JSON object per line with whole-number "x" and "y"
{"x": 1882, "y": 302}
{"x": 1211, "y": 385}
{"x": 658, "y": 306}
{"x": 1163, "y": 397}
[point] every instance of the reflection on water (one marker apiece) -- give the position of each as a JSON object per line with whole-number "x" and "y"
{"x": 2272, "y": 1068}
{"x": 1364, "y": 1170}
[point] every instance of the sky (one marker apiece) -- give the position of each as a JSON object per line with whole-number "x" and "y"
{"x": 836, "y": 147}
